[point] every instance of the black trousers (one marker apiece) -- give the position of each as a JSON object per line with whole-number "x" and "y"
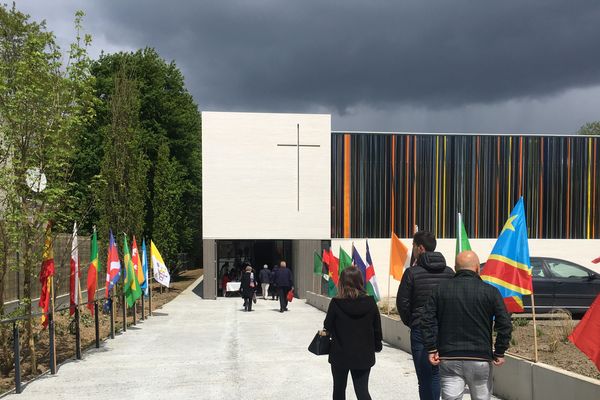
{"x": 283, "y": 291}
{"x": 248, "y": 304}
{"x": 360, "y": 378}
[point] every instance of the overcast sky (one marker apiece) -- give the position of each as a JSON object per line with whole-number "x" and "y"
{"x": 508, "y": 66}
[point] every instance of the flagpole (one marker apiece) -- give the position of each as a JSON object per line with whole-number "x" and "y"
{"x": 52, "y": 345}
{"x": 535, "y": 343}
{"x": 389, "y": 298}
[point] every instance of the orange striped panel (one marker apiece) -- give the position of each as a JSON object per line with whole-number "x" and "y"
{"x": 346, "y": 185}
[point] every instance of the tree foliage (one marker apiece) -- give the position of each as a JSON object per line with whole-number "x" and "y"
{"x": 44, "y": 105}
{"x": 166, "y": 115}
{"x": 590, "y": 128}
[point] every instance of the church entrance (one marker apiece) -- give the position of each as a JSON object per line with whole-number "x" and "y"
{"x": 234, "y": 255}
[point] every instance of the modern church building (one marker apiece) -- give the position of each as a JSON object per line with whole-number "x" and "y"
{"x": 282, "y": 186}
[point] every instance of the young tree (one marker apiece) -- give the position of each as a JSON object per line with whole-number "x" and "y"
{"x": 169, "y": 187}
{"x": 123, "y": 190}
{"x": 167, "y": 114}
{"x": 44, "y": 105}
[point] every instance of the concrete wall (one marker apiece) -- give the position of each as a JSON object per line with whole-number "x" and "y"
{"x": 302, "y": 265}
{"x": 517, "y": 379}
{"x": 578, "y": 251}
{"x": 254, "y": 188}
{"x": 209, "y": 264}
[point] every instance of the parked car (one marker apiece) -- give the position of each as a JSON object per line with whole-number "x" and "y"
{"x": 561, "y": 284}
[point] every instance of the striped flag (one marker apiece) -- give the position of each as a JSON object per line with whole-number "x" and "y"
{"x": 508, "y": 268}
{"x": 74, "y": 276}
{"x": 367, "y": 271}
{"x": 131, "y": 287}
{"x": 113, "y": 265}
{"x": 137, "y": 263}
{"x": 144, "y": 285}
{"x": 462, "y": 240}
{"x": 92, "y": 277}
{"x": 371, "y": 275}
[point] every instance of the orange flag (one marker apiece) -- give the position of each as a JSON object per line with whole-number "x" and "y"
{"x": 398, "y": 257}
{"x": 585, "y": 336}
{"x": 46, "y": 274}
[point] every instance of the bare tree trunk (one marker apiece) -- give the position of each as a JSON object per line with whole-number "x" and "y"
{"x": 28, "y": 273}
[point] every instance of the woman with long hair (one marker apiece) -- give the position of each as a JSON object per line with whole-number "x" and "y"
{"x": 354, "y": 324}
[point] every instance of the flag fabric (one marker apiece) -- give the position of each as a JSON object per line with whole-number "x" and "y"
{"x": 137, "y": 262}
{"x": 325, "y": 269}
{"x": 74, "y": 275}
{"x": 596, "y": 260}
{"x": 508, "y": 268}
{"x": 585, "y": 336}
{"x": 398, "y": 257}
{"x": 318, "y": 264}
{"x": 161, "y": 273}
{"x": 92, "y": 276}
{"x": 368, "y": 273}
{"x": 144, "y": 285}
{"x": 345, "y": 260}
{"x": 462, "y": 240}
{"x": 131, "y": 287}
{"x": 334, "y": 275}
{"x": 46, "y": 274}
{"x": 113, "y": 265}
{"x": 371, "y": 278}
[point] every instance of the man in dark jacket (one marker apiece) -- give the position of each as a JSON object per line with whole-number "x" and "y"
{"x": 415, "y": 289}
{"x": 285, "y": 281}
{"x": 457, "y": 329}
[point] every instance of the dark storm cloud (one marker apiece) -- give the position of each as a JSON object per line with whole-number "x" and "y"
{"x": 261, "y": 54}
{"x": 336, "y": 56}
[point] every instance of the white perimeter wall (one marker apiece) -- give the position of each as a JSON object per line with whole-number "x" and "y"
{"x": 577, "y": 251}
{"x": 250, "y": 185}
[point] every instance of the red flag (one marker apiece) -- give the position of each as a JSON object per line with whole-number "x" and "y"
{"x": 334, "y": 268}
{"x": 585, "y": 336}
{"x": 46, "y": 274}
{"x": 596, "y": 260}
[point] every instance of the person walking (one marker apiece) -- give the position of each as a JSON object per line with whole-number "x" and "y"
{"x": 274, "y": 290}
{"x": 417, "y": 283}
{"x": 247, "y": 287}
{"x": 457, "y": 331}
{"x": 265, "y": 279}
{"x": 354, "y": 324}
{"x": 285, "y": 282}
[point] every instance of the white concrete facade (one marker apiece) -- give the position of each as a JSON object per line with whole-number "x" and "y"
{"x": 257, "y": 183}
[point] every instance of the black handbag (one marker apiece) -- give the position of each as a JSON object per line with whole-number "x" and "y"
{"x": 320, "y": 343}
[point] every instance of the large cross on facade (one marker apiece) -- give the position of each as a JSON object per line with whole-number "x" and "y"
{"x": 298, "y": 145}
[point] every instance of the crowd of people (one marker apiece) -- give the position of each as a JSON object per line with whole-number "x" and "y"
{"x": 450, "y": 313}
{"x": 277, "y": 283}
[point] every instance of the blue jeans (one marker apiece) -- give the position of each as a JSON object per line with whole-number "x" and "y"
{"x": 427, "y": 374}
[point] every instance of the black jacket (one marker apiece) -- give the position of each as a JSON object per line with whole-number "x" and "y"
{"x": 245, "y": 288}
{"x": 283, "y": 278}
{"x": 459, "y": 318}
{"x": 355, "y": 327}
{"x": 417, "y": 284}
{"x": 265, "y": 275}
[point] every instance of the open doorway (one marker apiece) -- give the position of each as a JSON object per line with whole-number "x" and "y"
{"x": 234, "y": 255}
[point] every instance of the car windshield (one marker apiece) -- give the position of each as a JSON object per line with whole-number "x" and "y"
{"x": 562, "y": 269}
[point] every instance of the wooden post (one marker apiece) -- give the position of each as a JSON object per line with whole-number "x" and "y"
{"x": 535, "y": 344}
{"x": 143, "y": 311}
{"x": 124, "y": 306}
{"x": 389, "y": 298}
{"x": 134, "y": 310}
{"x": 77, "y": 334}
{"x": 150, "y": 295}
{"x": 112, "y": 318}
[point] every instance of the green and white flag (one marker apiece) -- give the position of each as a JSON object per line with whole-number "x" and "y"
{"x": 462, "y": 240}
